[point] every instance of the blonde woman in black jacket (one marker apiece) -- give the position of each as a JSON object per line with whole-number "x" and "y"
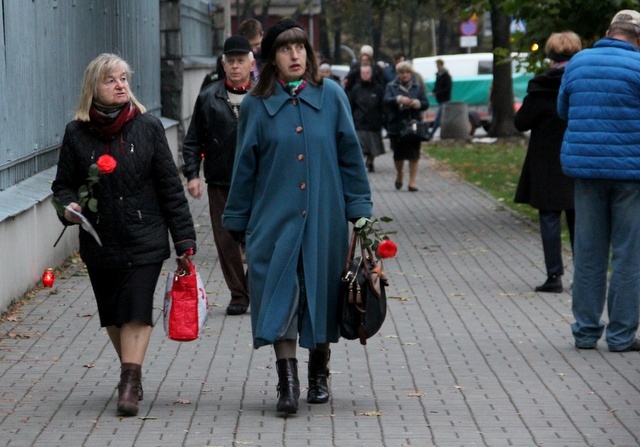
{"x": 136, "y": 201}
{"x": 542, "y": 183}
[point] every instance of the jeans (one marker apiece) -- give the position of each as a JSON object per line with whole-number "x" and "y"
{"x": 607, "y": 223}
{"x": 436, "y": 121}
{"x": 551, "y": 233}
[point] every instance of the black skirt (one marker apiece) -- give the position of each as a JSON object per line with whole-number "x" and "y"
{"x": 404, "y": 151}
{"x": 126, "y": 294}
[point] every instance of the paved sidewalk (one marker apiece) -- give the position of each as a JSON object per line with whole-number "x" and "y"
{"x": 469, "y": 354}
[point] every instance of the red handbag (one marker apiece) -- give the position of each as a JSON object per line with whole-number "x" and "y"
{"x": 186, "y": 304}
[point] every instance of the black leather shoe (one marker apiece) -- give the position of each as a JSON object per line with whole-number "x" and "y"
{"x": 398, "y": 185}
{"x": 634, "y": 346}
{"x": 236, "y": 309}
{"x": 553, "y": 284}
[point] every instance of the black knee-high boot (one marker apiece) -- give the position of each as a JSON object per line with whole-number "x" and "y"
{"x": 288, "y": 385}
{"x": 318, "y": 373}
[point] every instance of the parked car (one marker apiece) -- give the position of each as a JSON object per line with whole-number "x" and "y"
{"x": 472, "y": 76}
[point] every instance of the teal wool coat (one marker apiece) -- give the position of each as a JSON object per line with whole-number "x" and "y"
{"x": 298, "y": 178}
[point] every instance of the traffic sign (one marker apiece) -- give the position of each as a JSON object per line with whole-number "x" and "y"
{"x": 468, "y": 28}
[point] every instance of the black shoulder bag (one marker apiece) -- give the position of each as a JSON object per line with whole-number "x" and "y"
{"x": 364, "y": 301}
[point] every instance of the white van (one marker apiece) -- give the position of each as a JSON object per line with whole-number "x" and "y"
{"x": 472, "y": 76}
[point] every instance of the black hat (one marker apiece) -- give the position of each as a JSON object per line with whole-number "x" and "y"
{"x": 237, "y": 44}
{"x": 273, "y": 32}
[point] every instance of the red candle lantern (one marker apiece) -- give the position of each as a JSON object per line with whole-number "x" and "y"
{"x": 48, "y": 277}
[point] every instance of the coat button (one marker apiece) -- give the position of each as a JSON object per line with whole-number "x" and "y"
{"x": 298, "y": 129}
{"x": 294, "y": 102}
{"x": 300, "y": 157}
{"x": 303, "y": 213}
{"x": 303, "y": 185}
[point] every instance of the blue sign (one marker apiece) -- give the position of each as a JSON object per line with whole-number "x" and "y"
{"x": 468, "y": 28}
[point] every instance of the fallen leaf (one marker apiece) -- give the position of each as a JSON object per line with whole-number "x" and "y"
{"x": 415, "y": 394}
{"x": 391, "y": 336}
{"x": 372, "y": 413}
{"x": 409, "y": 344}
{"x": 182, "y": 401}
{"x": 148, "y": 418}
{"x": 507, "y": 294}
{"x": 12, "y": 318}
{"x": 88, "y": 365}
{"x": 399, "y": 298}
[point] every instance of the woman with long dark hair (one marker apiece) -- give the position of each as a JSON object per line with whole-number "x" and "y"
{"x": 298, "y": 179}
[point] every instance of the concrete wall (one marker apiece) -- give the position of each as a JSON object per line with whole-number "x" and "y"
{"x": 29, "y": 227}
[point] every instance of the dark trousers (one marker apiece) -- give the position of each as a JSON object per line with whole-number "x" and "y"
{"x": 229, "y": 251}
{"x": 551, "y": 233}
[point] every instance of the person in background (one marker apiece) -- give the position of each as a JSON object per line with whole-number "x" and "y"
{"x": 366, "y": 58}
{"x": 325, "y": 71}
{"x": 212, "y": 135}
{"x": 298, "y": 179}
{"x": 542, "y": 183}
{"x": 600, "y": 98}
{"x": 252, "y": 30}
{"x": 366, "y": 106}
{"x": 404, "y": 100}
{"x": 138, "y": 197}
{"x": 442, "y": 92}
{"x": 390, "y": 71}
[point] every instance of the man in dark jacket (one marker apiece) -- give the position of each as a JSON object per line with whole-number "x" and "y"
{"x": 212, "y": 136}
{"x": 442, "y": 92}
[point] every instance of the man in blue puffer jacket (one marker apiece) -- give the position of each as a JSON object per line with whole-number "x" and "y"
{"x": 600, "y": 98}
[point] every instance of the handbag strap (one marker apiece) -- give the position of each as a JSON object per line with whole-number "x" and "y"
{"x": 365, "y": 252}
{"x": 185, "y": 266}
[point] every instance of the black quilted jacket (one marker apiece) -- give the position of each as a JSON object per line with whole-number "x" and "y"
{"x": 137, "y": 202}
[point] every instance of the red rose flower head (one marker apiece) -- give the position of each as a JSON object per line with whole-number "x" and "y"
{"x": 387, "y": 249}
{"x": 106, "y": 164}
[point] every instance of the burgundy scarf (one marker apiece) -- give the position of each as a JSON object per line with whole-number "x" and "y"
{"x": 107, "y": 128}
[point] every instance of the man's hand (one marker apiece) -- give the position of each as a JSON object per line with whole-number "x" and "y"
{"x": 195, "y": 187}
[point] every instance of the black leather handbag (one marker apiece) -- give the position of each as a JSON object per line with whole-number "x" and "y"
{"x": 364, "y": 301}
{"x": 414, "y": 131}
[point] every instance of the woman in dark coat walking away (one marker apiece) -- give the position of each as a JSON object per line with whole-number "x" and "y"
{"x": 298, "y": 179}
{"x": 137, "y": 197}
{"x": 542, "y": 184}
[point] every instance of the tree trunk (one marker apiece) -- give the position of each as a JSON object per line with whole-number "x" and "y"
{"x": 325, "y": 50}
{"x": 502, "y": 89}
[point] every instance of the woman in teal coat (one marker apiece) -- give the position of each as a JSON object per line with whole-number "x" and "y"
{"x": 299, "y": 177}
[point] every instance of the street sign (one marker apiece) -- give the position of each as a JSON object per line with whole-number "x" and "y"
{"x": 468, "y": 41}
{"x": 468, "y": 28}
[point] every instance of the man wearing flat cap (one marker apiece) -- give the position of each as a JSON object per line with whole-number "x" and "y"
{"x": 600, "y": 98}
{"x": 212, "y": 137}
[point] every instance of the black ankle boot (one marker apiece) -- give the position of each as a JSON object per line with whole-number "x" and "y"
{"x": 318, "y": 374}
{"x": 553, "y": 284}
{"x": 288, "y": 385}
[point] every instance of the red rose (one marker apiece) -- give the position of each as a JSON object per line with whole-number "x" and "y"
{"x": 106, "y": 164}
{"x": 387, "y": 249}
